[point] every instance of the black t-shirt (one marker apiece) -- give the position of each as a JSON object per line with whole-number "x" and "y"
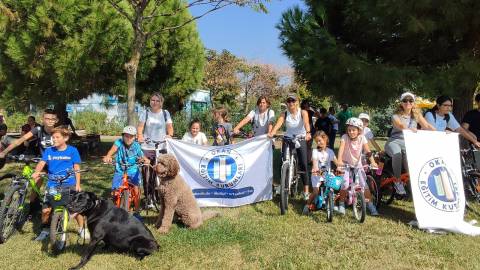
{"x": 44, "y": 139}
{"x": 472, "y": 118}
{"x": 324, "y": 124}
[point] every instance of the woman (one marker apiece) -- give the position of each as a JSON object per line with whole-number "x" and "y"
{"x": 155, "y": 124}
{"x": 261, "y": 118}
{"x": 297, "y": 125}
{"x": 406, "y": 117}
{"x": 441, "y": 118}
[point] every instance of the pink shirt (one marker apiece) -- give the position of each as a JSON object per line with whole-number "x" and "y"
{"x": 353, "y": 149}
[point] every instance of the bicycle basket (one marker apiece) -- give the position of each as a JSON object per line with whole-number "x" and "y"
{"x": 59, "y": 196}
{"x": 334, "y": 182}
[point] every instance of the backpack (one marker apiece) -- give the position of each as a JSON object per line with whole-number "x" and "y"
{"x": 224, "y": 134}
{"x": 146, "y": 118}
{"x": 432, "y": 111}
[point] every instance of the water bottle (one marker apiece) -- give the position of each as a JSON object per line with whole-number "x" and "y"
{"x": 297, "y": 144}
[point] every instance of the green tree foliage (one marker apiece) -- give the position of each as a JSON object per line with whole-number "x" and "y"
{"x": 370, "y": 51}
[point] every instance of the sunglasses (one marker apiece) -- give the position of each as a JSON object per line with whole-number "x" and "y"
{"x": 290, "y": 100}
{"x": 408, "y": 100}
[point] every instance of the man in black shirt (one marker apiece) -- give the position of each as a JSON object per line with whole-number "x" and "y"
{"x": 324, "y": 122}
{"x": 471, "y": 120}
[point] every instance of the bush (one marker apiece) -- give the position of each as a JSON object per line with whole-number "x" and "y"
{"x": 16, "y": 121}
{"x": 97, "y": 123}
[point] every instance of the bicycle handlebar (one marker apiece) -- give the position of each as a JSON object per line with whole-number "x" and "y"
{"x": 23, "y": 158}
{"x": 61, "y": 178}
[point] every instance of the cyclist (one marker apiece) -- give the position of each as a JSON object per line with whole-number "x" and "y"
{"x": 350, "y": 151}
{"x": 60, "y": 159}
{"x": 333, "y": 134}
{"x": 261, "y": 118}
{"x": 471, "y": 120}
{"x": 43, "y": 133}
{"x": 221, "y": 129}
{"x": 405, "y": 117}
{"x": 367, "y": 132}
{"x": 128, "y": 152}
{"x": 441, "y": 118}
{"x": 297, "y": 125}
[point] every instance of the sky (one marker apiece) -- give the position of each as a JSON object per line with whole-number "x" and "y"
{"x": 245, "y": 32}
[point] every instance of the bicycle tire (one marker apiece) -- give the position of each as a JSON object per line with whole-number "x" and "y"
{"x": 295, "y": 177}
{"x": 125, "y": 200}
{"x": 359, "y": 206}
{"x": 372, "y": 186}
{"x": 284, "y": 189}
{"x": 58, "y": 231}
{"x": 155, "y": 194}
{"x": 9, "y": 211}
{"x": 386, "y": 194}
{"x": 330, "y": 206}
{"x": 472, "y": 182}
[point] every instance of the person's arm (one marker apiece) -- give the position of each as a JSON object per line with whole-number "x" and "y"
{"x": 314, "y": 162}
{"x": 230, "y": 133}
{"x": 466, "y": 134}
{"x": 375, "y": 145}
{"x": 306, "y": 124}
{"x": 278, "y": 124}
{"x": 140, "y": 129}
{"x": 242, "y": 123}
{"x": 108, "y": 157}
{"x": 38, "y": 169}
{"x": 76, "y": 167}
{"x": 204, "y": 139}
{"x": 366, "y": 149}
{"x": 341, "y": 149}
{"x": 170, "y": 129}
{"x": 271, "y": 118}
{"x": 424, "y": 124}
{"x": 16, "y": 143}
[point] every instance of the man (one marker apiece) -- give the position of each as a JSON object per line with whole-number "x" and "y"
{"x": 324, "y": 122}
{"x": 333, "y": 134}
{"x": 471, "y": 120}
{"x": 342, "y": 117}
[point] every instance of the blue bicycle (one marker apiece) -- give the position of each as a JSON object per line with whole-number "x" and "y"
{"x": 327, "y": 193}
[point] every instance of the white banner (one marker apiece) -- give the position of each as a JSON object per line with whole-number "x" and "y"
{"x": 226, "y": 176}
{"x": 436, "y": 181}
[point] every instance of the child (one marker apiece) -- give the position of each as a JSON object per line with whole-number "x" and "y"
{"x": 60, "y": 159}
{"x": 128, "y": 152}
{"x": 321, "y": 157}
{"x": 195, "y": 136}
{"x": 367, "y": 132}
{"x": 221, "y": 130}
{"x": 351, "y": 146}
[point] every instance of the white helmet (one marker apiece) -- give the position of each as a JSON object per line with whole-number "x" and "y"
{"x": 355, "y": 122}
{"x": 364, "y": 116}
{"x": 130, "y": 130}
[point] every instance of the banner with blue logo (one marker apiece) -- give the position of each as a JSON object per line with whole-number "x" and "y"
{"x": 436, "y": 181}
{"x": 226, "y": 176}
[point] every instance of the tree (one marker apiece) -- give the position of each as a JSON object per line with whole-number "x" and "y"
{"x": 144, "y": 15}
{"x": 370, "y": 51}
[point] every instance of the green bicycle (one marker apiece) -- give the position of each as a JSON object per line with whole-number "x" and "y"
{"x": 13, "y": 210}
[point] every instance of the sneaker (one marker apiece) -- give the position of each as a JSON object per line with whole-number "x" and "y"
{"x": 340, "y": 208}
{"x": 306, "y": 195}
{"x": 306, "y": 210}
{"x": 43, "y": 235}
{"x": 138, "y": 216}
{"x": 84, "y": 234}
{"x": 372, "y": 209}
{"x": 399, "y": 188}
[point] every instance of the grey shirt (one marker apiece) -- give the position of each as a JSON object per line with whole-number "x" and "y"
{"x": 407, "y": 121}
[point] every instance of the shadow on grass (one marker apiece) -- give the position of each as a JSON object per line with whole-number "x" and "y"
{"x": 396, "y": 214}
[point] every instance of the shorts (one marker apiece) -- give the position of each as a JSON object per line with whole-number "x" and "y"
{"x": 359, "y": 174}
{"x": 133, "y": 179}
{"x": 48, "y": 199}
{"x": 317, "y": 181}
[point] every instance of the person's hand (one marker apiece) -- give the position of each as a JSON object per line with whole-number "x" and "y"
{"x": 78, "y": 188}
{"x": 374, "y": 165}
{"x": 308, "y": 137}
{"x": 413, "y": 129}
{"x": 168, "y": 137}
{"x": 146, "y": 160}
{"x": 270, "y": 135}
{"x": 140, "y": 138}
{"x": 315, "y": 172}
{"x": 236, "y": 131}
{"x": 2, "y": 155}
{"x": 340, "y": 166}
{"x": 36, "y": 176}
{"x": 477, "y": 144}
{"x": 107, "y": 159}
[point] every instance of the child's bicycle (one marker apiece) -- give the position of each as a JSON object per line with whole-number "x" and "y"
{"x": 327, "y": 193}
{"x": 58, "y": 197}
{"x": 386, "y": 183}
{"x": 355, "y": 194}
{"x": 13, "y": 210}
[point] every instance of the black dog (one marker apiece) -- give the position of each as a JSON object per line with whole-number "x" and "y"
{"x": 112, "y": 225}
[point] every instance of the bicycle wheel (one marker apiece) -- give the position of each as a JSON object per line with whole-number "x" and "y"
{"x": 386, "y": 194}
{"x": 58, "y": 230}
{"x": 155, "y": 194}
{"x": 294, "y": 180}
{"x": 372, "y": 186}
{"x": 330, "y": 206}
{"x": 125, "y": 200}
{"x": 359, "y": 206}
{"x": 284, "y": 189}
{"x": 9, "y": 212}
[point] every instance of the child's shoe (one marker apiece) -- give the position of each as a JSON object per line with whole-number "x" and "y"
{"x": 372, "y": 209}
{"x": 43, "y": 235}
{"x": 340, "y": 209}
{"x": 306, "y": 210}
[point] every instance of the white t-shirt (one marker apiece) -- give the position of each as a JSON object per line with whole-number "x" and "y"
{"x": 334, "y": 121}
{"x": 200, "y": 139}
{"x": 261, "y": 121}
{"x": 440, "y": 123}
{"x": 324, "y": 158}
{"x": 367, "y": 132}
{"x": 295, "y": 125}
{"x": 155, "y": 127}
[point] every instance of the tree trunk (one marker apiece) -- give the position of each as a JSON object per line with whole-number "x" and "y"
{"x": 463, "y": 103}
{"x": 245, "y": 104}
{"x": 131, "y": 67}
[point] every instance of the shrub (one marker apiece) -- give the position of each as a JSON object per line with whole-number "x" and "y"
{"x": 15, "y": 121}
{"x": 97, "y": 123}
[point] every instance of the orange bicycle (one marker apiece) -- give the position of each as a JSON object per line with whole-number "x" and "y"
{"x": 387, "y": 182}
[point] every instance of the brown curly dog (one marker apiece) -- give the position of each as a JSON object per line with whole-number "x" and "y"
{"x": 177, "y": 197}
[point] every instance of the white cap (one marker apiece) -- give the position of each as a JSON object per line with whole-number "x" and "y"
{"x": 407, "y": 94}
{"x": 130, "y": 130}
{"x": 364, "y": 116}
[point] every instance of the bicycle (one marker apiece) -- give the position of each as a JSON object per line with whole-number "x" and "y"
{"x": 289, "y": 173}
{"x": 58, "y": 197}
{"x": 152, "y": 196}
{"x": 355, "y": 194}
{"x": 327, "y": 193}
{"x": 470, "y": 172}
{"x": 387, "y": 191}
{"x": 13, "y": 212}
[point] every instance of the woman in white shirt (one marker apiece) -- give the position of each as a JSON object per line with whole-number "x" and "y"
{"x": 261, "y": 118}
{"x": 195, "y": 136}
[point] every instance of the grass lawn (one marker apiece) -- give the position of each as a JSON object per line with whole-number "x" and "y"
{"x": 257, "y": 237}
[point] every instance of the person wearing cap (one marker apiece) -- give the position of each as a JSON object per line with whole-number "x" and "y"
{"x": 367, "y": 132}
{"x": 128, "y": 152}
{"x": 471, "y": 120}
{"x": 297, "y": 126}
{"x": 406, "y": 117}
{"x": 441, "y": 118}
{"x": 342, "y": 117}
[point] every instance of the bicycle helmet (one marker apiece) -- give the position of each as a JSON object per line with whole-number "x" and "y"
{"x": 364, "y": 116}
{"x": 130, "y": 130}
{"x": 355, "y": 122}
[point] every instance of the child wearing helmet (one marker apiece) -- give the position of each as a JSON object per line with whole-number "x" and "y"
{"x": 128, "y": 151}
{"x": 367, "y": 132}
{"x": 352, "y": 145}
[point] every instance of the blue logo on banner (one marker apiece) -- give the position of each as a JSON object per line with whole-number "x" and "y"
{"x": 200, "y": 193}
{"x": 222, "y": 168}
